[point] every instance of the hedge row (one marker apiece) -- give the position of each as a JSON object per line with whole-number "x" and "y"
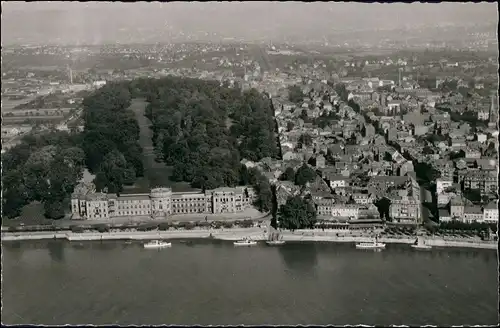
{"x": 166, "y": 225}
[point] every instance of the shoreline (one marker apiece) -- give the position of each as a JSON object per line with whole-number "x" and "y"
{"x": 256, "y": 234}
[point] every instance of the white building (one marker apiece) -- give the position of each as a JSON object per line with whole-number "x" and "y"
{"x": 442, "y": 185}
{"x": 363, "y": 199}
{"x": 345, "y": 211}
{"x": 490, "y": 212}
{"x": 98, "y": 84}
{"x": 338, "y": 182}
{"x": 481, "y": 137}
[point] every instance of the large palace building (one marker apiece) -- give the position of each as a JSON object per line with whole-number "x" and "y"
{"x": 159, "y": 203}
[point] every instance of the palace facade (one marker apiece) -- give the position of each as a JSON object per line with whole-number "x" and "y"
{"x": 158, "y": 203}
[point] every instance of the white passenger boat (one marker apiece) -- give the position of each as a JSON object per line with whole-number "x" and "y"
{"x": 420, "y": 245}
{"x": 157, "y": 244}
{"x": 245, "y": 242}
{"x": 374, "y": 245}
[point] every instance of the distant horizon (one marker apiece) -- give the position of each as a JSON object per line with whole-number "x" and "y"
{"x": 99, "y": 23}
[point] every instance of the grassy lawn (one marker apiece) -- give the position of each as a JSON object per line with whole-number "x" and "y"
{"x": 155, "y": 174}
{"x": 31, "y": 214}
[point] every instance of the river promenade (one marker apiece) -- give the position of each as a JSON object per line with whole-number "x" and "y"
{"x": 258, "y": 234}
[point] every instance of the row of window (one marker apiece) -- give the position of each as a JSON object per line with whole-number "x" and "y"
{"x": 177, "y": 200}
{"x": 133, "y": 206}
{"x": 98, "y": 216}
{"x": 185, "y": 211}
{"x": 188, "y": 205}
{"x": 131, "y": 201}
{"x": 225, "y": 199}
{"x": 134, "y": 213}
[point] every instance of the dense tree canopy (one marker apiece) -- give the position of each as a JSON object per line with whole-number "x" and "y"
{"x": 295, "y": 94}
{"x": 304, "y": 175}
{"x": 326, "y": 119}
{"x": 305, "y": 140}
{"x": 426, "y": 172}
{"x": 288, "y": 175}
{"x": 204, "y": 130}
{"x": 110, "y": 140}
{"x": 43, "y": 168}
{"x": 200, "y": 128}
{"x": 383, "y": 205}
{"x": 342, "y": 91}
{"x": 297, "y": 213}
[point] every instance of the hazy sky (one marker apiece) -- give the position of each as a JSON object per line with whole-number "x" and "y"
{"x": 98, "y": 22}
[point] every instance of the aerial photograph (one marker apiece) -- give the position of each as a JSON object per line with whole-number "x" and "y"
{"x": 249, "y": 163}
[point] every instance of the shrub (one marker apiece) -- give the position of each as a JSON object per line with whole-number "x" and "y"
{"x": 227, "y": 224}
{"x": 102, "y": 228}
{"x": 189, "y": 226}
{"x": 217, "y": 224}
{"x": 203, "y": 224}
{"x": 128, "y": 226}
{"x": 76, "y": 229}
{"x": 147, "y": 227}
{"x": 164, "y": 226}
{"x": 246, "y": 224}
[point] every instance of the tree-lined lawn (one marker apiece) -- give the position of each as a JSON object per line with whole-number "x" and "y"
{"x": 156, "y": 174}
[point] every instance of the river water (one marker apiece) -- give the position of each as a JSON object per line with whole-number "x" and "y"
{"x": 212, "y": 282}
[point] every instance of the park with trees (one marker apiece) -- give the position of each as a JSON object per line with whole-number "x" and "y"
{"x": 297, "y": 213}
{"x": 43, "y": 168}
{"x": 200, "y": 128}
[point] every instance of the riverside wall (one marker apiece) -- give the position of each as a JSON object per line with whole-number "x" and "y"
{"x": 258, "y": 234}
{"x": 223, "y": 234}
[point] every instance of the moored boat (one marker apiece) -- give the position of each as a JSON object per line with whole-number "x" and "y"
{"x": 245, "y": 242}
{"x": 374, "y": 245}
{"x": 157, "y": 244}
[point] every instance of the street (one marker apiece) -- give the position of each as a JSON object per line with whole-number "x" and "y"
{"x": 425, "y": 197}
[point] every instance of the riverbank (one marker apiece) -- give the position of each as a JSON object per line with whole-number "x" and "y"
{"x": 409, "y": 241}
{"x": 257, "y": 234}
{"x": 222, "y": 234}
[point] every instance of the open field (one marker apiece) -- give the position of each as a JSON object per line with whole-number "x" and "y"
{"x": 31, "y": 214}
{"x": 155, "y": 174}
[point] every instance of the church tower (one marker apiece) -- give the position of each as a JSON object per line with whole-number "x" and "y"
{"x": 493, "y": 108}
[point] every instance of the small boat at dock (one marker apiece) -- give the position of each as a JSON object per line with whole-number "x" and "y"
{"x": 245, "y": 242}
{"x": 157, "y": 244}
